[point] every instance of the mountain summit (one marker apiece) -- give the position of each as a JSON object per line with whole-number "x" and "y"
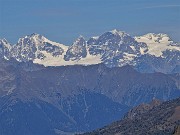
{"x": 147, "y": 53}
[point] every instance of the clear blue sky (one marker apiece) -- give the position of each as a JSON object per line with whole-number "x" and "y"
{"x": 64, "y": 20}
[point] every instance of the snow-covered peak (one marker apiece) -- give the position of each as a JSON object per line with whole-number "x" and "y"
{"x": 33, "y": 39}
{"x": 34, "y": 35}
{"x": 5, "y": 43}
{"x": 37, "y": 40}
{"x": 117, "y": 32}
{"x": 77, "y": 50}
{"x": 93, "y": 40}
{"x": 96, "y": 37}
{"x": 111, "y": 38}
{"x": 157, "y": 43}
{"x": 156, "y": 37}
{"x": 113, "y": 48}
{"x": 81, "y": 36}
{"x": 80, "y": 41}
{"x": 36, "y": 46}
{"x": 5, "y": 48}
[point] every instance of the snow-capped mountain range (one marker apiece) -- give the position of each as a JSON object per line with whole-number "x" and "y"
{"x": 147, "y": 53}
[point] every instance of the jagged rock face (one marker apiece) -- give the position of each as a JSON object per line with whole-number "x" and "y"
{"x": 25, "y": 49}
{"x": 162, "y": 55}
{"x": 113, "y": 48}
{"x": 5, "y": 49}
{"x": 162, "y": 119}
{"x": 110, "y": 38}
{"x": 118, "y": 41}
{"x": 117, "y": 48}
{"x": 1, "y": 49}
{"x": 77, "y": 51}
{"x": 33, "y": 47}
{"x": 52, "y": 49}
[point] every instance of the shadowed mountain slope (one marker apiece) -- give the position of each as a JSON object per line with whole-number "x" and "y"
{"x": 159, "y": 119}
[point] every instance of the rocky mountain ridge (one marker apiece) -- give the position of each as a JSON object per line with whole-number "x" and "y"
{"x": 160, "y": 119}
{"x": 113, "y": 48}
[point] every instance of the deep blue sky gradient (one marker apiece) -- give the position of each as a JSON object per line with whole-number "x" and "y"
{"x": 64, "y": 20}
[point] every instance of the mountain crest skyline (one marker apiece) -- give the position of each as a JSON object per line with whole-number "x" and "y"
{"x": 114, "y": 31}
{"x": 113, "y": 48}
